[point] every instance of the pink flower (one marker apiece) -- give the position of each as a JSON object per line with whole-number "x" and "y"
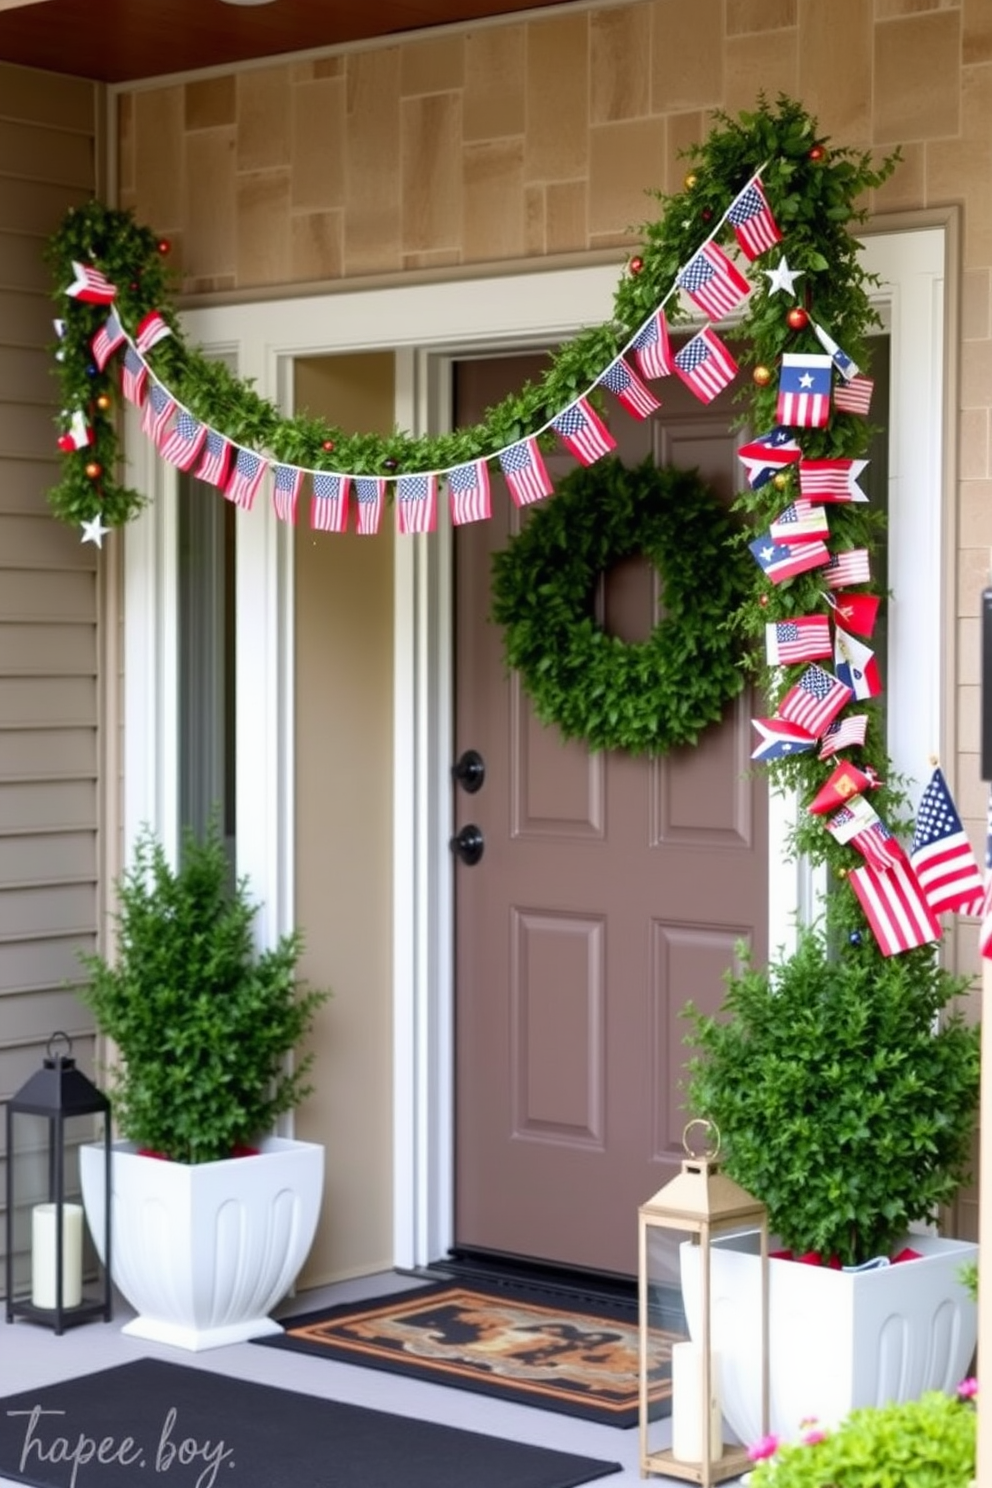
{"x": 766, "y": 1447}
{"x": 814, "y": 1435}
{"x": 968, "y": 1388}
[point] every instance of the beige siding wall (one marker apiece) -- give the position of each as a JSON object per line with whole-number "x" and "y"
{"x": 49, "y": 694}
{"x": 524, "y": 140}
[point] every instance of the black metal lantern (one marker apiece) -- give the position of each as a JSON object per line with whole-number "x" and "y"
{"x": 46, "y": 1121}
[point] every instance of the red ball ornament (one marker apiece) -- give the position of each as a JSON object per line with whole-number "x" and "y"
{"x": 762, "y": 375}
{"x": 706, "y": 214}
{"x": 328, "y": 445}
{"x": 817, "y": 153}
{"x": 163, "y": 245}
{"x": 636, "y": 265}
{"x": 797, "y": 318}
{"x": 94, "y": 470}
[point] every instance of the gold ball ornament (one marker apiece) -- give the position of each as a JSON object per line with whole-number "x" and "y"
{"x": 94, "y": 470}
{"x": 780, "y": 481}
{"x": 691, "y": 181}
{"x": 762, "y": 375}
{"x": 104, "y": 402}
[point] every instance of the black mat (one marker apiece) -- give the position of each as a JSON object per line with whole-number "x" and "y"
{"x": 534, "y": 1345}
{"x": 154, "y": 1423}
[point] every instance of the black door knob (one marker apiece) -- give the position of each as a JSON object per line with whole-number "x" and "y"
{"x": 469, "y": 845}
{"x": 470, "y": 771}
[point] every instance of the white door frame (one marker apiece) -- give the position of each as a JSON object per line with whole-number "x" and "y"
{"x": 426, "y": 325}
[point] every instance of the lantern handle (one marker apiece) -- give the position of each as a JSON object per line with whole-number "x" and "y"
{"x": 712, "y": 1131}
{"x": 68, "y": 1045}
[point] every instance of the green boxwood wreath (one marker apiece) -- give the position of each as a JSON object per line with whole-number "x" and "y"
{"x": 645, "y": 697}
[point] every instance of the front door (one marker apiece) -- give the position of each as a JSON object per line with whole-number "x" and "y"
{"x": 610, "y": 891}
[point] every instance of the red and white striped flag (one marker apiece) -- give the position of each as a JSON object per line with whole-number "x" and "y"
{"x": 831, "y": 480}
{"x": 705, "y": 365}
{"x": 804, "y": 390}
{"x": 800, "y": 522}
{"x": 582, "y": 430}
{"x": 90, "y": 285}
{"x": 941, "y": 855}
{"x": 184, "y": 441}
{"x": 896, "y": 910}
{"x": 152, "y": 329}
{"x": 370, "y": 494}
{"x": 525, "y": 472}
{"x": 468, "y": 493}
{"x": 713, "y": 282}
{"x": 854, "y": 396}
{"x": 416, "y": 503}
{"x": 805, "y": 638}
{"x": 635, "y": 395}
{"x": 853, "y": 566}
{"x": 107, "y": 339}
{"x": 216, "y": 459}
{"x": 286, "y": 483}
{"x": 859, "y": 824}
{"x": 329, "y": 504}
{"x": 814, "y": 702}
{"x": 985, "y": 929}
{"x": 844, "y": 733}
{"x": 134, "y": 376}
{"x": 159, "y": 408}
{"x": 245, "y": 479}
{"x": 651, "y": 347}
{"x": 751, "y": 218}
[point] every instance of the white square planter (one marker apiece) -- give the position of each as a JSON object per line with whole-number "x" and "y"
{"x": 837, "y": 1339}
{"x": 203, "y": 1252}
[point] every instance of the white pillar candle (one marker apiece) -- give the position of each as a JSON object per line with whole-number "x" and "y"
{"x": 43, "y": 1265}
{"x": 687, "y": 1404}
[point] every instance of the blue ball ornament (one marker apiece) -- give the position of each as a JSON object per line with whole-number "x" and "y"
{"x": 91, "y": 369}
{"x": 855, "y": 937}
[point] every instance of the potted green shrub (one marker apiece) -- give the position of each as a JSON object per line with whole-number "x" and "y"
{"x": 212, "y": 1214}
{"x": 844, "y": 1087}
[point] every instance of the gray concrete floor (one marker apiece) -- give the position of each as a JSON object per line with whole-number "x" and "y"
{"x": 34, "y": 1356}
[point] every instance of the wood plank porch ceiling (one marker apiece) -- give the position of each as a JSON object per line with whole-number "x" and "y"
{"x": 117, "y": 41}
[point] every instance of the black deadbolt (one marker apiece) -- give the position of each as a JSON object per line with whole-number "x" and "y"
{"x": 470, "y": 771}
{"x": 469, "y": 845}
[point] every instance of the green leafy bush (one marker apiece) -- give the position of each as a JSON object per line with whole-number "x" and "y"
{"x": 841, "y": 1103}
{"x": 203, "y": 1023}
{"x": 925, "y": 1443}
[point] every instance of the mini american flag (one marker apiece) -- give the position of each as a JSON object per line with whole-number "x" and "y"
{"x": 752, "y": 221}
{"x": 286, "y": 483}
{"x": 855, "y": 664}
{"x": 216, "y": 459}
{"x": 90, "y": 285}
{"x": 651, "y": 348}
{"x": 159, "y": 408}
{"x": 246, "y": 477}
{"x": 800, "y": 522}
{"x": 705, "y": 365}
{"x": 468, "y": 493}
{"x": 857, "y": 611}
{"x": 860, "y": 826}
{"x": 107, "y": 339}
{"x": 815, "y": 700}
{"x": 895, "y": 907}
{"x": 854, "y": 396}
{"x": 804, "y": 390}
{"x": 941, "y": 854}
{"x": 781, "y": 561}
{"x": 831, "y": 480}
{"x": 583, "y": 431}
{"x": 329, "y": 506}
{"x": 151, "y": 329}
{"x": 634, "y": 394}
{"x": 526, "y": 476}
{"x": 845, "y": 365}
{"x": 806, "y": 638}
{"x": 844, "y": 733}
{"x": 416, "y": 503}
{"x": 853, "y": 566}
{"x": 778, "y": 739}
{"x": 370, "y": 493}
{"x": 985, "y": 929}
{"x": 134, "y": 375}
{"x": 184, "y": 441}
{"x": 712, "y": 282}
{"x": 765, "y": 456}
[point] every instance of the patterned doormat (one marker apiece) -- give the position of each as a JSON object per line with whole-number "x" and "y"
{"x": 533, "y": 1345}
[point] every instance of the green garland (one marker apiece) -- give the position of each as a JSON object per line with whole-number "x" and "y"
{"x": 644, "y": 697}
